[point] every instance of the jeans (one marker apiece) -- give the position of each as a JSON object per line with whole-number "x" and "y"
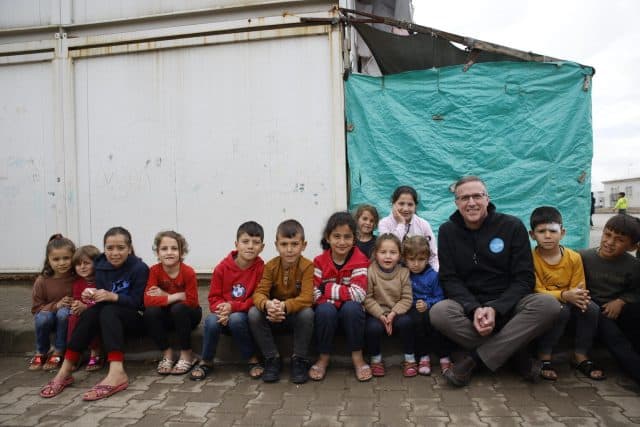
{"x": 301, "y": 323}
{"x": 350, "y": 316}
{"x": 374, "y": 331}
{"x": 45, "y": 323}
{"x": 586, "y": 329}
{"x": 178, "y": 316}
{"x": 238, "y": 328}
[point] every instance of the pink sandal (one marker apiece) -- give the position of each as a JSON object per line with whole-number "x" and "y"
{"x": 409, "y": 369}
{"x": 95, "y": 364}
{"x": 102, "y": 391}
{"x": 54, "y": 388}
{"x": 424, "y": 367}
{"x": 377, "y": 369}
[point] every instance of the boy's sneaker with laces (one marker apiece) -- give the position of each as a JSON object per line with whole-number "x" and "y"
{"x": 272, "y": 368}
{"x": 299, "y": 370}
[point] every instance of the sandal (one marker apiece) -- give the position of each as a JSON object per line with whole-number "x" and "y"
{"x": 547, "y": 372}
{"x": 200, "y": 372}
{"x": 183, "y": 366}
{"x": 317, "y": 372}
{"x": 255, "y": 370}
{"x": 377, "y": 369}
{"x": 445, "y": 364}
{"x": 54, "y": 388}
{"x": 409, "y": 369}
{"x": 588, "y": 368}
{"x": 364, "y": 373}
{"x": 165, "y": 366}
{"x": 95, "y": 364}
{"x": 101, "y": 391}
{"x": 36, "y": 362}
{"x": 424, "y": 367}
{"x": 53, "y": 362}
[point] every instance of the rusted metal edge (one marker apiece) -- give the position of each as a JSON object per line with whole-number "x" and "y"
{"x": 469, "y": 42}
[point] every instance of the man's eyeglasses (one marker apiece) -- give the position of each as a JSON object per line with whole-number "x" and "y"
{"x": 476, "y": 197}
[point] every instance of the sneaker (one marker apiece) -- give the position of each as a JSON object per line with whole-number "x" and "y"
{"x": 299, "y": 370}
{"x": 459, "y": 374}
{"x": 271, "y": 372}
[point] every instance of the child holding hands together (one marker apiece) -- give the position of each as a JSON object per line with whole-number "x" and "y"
{"x": 388, "y": 300}
{"x": 171, "y": 301}
{"x": 559, "y": 272}
{"x": 51, "y": 302}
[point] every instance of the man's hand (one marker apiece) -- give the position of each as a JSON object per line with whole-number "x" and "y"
{"x": 484, "y": 320}
{"x": 421, "y": 306}
{"x": 612, "y": 309}
{"x": 275, "y": 311}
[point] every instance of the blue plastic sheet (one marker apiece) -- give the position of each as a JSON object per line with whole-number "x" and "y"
{"x": 523, "y": 127}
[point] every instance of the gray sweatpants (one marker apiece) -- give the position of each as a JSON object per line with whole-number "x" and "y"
{"x": 533, "y": 315}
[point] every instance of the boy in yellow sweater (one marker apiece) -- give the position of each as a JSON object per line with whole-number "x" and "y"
{"x": 559, "y": 273}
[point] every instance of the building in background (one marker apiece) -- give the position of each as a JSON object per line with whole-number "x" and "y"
{"x": 630, "y": 186}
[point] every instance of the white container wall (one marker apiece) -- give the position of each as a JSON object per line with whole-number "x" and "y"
{"x": 194, "y": 127}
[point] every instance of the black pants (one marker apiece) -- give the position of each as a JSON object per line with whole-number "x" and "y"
{"x": 622, "y": 338}
{"x": 428, "y": 339}
{"x": 179, "y": 317}
{"x": 109, "y": 320}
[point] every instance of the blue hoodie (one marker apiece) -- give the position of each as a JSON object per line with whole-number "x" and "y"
{"x": 426, "y": 286}
{"x": 128, "y": 280}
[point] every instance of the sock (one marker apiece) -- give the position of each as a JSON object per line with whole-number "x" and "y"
{"x": 425, "y": 359}
{"x": 445, "y": 359}
{"x": 410, "y": 358}
{"x": 376, "y": 359}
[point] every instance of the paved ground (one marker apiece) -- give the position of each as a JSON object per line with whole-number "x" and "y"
{"x": 230, "y": 398}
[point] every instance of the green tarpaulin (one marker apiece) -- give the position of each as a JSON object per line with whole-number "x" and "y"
{"x": 524, "y": 127}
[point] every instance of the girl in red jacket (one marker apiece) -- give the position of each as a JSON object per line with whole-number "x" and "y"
{"x": 340, "y": 287}
{"x": 171, "y": 301}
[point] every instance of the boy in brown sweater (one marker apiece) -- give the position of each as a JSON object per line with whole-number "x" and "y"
{"x": 282, "y": 301}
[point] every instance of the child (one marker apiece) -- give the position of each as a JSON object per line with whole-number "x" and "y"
{"x": 366, "y": 218}
{"x": 612, "y": 278}
{"x": 559, "y": 273}
{"x": 51, "y": 302}
{"x": 120, "y": 281}
{"x": 282, "y": 301}
{"x": 621, "y": 204}
{"x": 340, "y": 287}
{"x": 426, "y": 292}
{"x": 83, "y": 260}
{"x": 233, "y": 283}
{"x": 403, "y": 221}
{"x": 171, "y": 301}
{"x": 388, "y": 300}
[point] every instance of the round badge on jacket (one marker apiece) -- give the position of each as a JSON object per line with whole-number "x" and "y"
{"x": 238, "y": 290}
{"x": 496, "y": 245}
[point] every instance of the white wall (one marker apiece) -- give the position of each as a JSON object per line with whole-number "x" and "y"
{"x": 187, "y": 132}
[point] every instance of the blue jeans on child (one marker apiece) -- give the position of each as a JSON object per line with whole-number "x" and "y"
{"x": 47, "y": 322}
{"x": 350, "y": 316}
{"x": 402, "y": 325}
{"x": 237, "y": 327}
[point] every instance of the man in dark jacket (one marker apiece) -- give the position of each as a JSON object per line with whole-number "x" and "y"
{"x": 486, "y": 271}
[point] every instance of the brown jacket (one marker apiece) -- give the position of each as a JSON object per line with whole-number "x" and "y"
{"x": 294, "y": 286}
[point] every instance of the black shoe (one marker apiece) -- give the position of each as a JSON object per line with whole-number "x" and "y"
{"x": 459, "y": 374}
{"x": 529, "y": 367}
{"x": 299, "y": 370}
{"x": 271, "y": 372}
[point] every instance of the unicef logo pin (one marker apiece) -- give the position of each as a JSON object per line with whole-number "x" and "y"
{"x": 496, "y": 245}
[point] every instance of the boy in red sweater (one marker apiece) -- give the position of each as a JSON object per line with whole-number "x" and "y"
{"x": 230, "y": 297}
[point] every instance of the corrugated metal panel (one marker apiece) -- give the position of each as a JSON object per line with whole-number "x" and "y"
{"x": 27, "y": 176}
{"x": 202, "y": 139}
